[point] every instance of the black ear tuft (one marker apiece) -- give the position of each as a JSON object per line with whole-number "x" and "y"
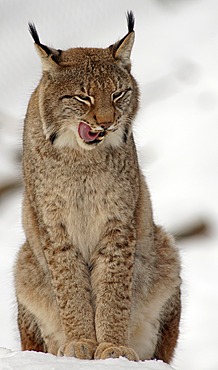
{"x": 130, "y": 21}
{"x": 34, "y": 33}
{"x": 35, "y": 36}
{"x": 121, "y": 50}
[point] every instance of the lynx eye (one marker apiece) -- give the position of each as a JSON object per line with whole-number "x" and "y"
{"x": 119, "y": 94}
{"x": 65, "y": 97}
{"x": 84, "y": 99}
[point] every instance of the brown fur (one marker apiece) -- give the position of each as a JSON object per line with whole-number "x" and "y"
{"x": 96, "y": 277}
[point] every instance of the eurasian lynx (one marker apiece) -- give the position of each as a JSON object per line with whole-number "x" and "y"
{"x": 96, "y": 278}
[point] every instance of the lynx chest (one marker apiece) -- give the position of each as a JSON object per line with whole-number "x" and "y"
{"x": 83, "y": 200}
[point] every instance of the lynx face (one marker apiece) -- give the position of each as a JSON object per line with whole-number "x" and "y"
{"x": 87, "y": 96}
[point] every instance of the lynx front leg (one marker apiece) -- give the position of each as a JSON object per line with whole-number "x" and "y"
{"x": 112, "y": 285}
{"x": 59, "y": 292}
{"x": 70, "y": 280}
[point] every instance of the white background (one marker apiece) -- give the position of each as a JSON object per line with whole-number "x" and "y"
{"x": 175, "y": 60}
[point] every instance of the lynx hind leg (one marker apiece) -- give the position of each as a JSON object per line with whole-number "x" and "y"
{"x": 169, "y": 329}
{"x": 30, "y": 334}
{"x": 169, "y": 264}
{"x": 38, "y": 317}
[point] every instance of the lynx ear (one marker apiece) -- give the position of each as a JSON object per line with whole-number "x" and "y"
{"x": 49, "y": 56}
{"x": 122, "y": 49}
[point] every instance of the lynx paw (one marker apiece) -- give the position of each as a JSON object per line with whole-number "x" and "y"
{"x": 82, "y": 349}
{"x": 109, "y": 350}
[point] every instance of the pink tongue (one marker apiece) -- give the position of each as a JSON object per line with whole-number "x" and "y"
{"x": 85, "y": 132}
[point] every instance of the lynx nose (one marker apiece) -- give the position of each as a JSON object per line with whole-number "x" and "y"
{"x": 105, "y": 125}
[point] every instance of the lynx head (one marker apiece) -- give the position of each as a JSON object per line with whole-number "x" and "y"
{"x": 87, "y": 96}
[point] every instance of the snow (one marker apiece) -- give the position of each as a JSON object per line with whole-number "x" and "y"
{"x": 175, "y": 60}
{"x": 44, "y": 361}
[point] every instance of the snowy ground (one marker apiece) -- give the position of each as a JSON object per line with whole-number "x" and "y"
{"x": 40, "y": 361}
{"x": 175, "y": 60}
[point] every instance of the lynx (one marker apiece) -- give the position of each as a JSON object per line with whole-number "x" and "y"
{"x": 96, "y": 278}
